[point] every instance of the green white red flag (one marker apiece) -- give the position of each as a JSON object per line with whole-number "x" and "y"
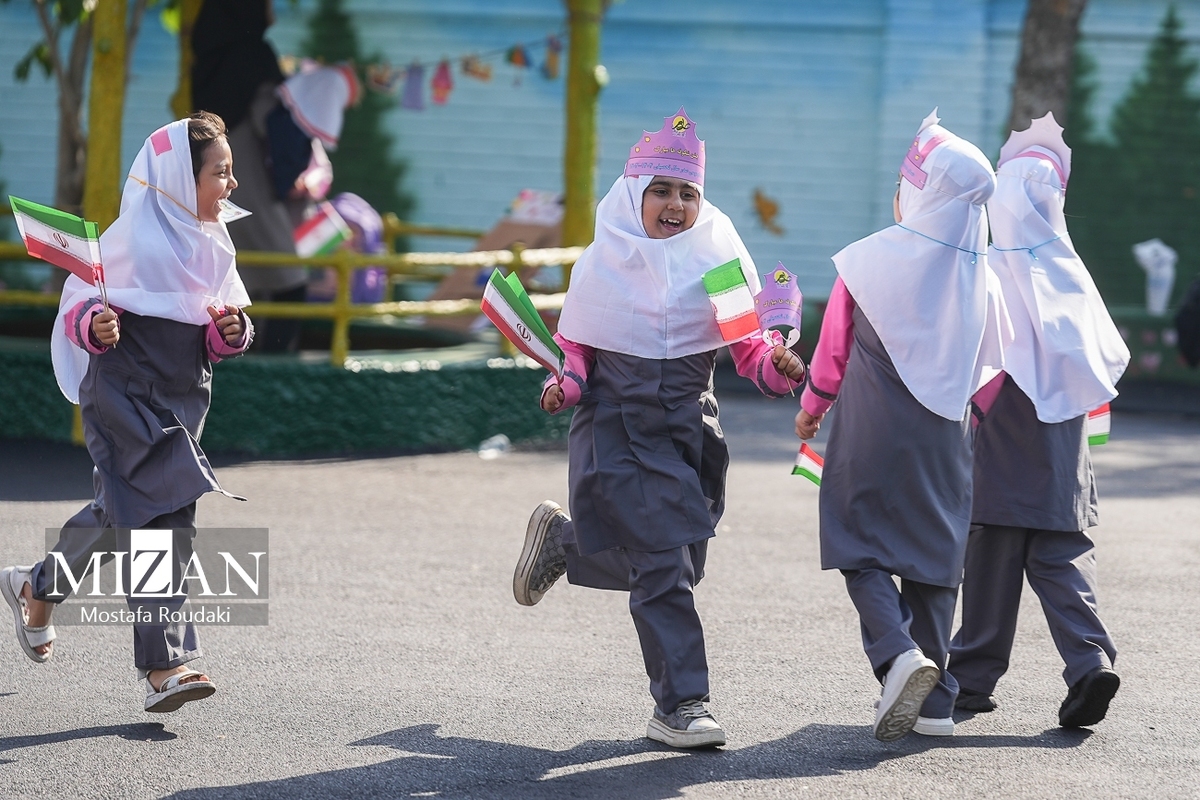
{"x": 731, "y": 300}
{"x": 62, "y": 239}
{"x": 507, "y": 305}
{"x": 809, "y": 464}
{"x": 1099, "y": 422}
{"x": 322, "y": 233}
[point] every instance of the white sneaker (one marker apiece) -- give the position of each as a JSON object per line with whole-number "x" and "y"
{"x": 928, "y": 726}
{"x": 909, "y": 681}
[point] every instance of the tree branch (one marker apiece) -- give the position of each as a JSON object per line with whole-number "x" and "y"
{"x": 50, "y": 31}
{"x": 135, "y": 27}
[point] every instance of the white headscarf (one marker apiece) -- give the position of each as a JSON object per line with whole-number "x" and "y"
{"x": 160, "y": 259}
{"x": 645, "y": 297}
{"x": 1067, "y": 354}
{"x": 924, "y": 284}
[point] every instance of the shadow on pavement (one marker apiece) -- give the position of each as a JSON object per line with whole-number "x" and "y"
{"x": 134, "y": 732}
{"x": 437, "y": 766}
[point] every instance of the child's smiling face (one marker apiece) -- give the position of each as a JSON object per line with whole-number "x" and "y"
{"x": 215, "y": 180}
{"x": 669, "y": 206}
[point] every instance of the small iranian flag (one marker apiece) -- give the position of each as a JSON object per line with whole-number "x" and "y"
{"x": 809, "y": 464}
{"x": 320, "y": 234}
{"x": 507, "y": 305}
{"x": 1099, "y": 422}
{"x": 63, "y": 239}
{"x": 731, "y": 301}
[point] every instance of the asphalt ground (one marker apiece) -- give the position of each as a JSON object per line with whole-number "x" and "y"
{"x": 397, "y": 664}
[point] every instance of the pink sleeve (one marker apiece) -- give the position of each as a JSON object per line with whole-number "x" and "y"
{"x": 828, "y": 366}
{"x": 983, "y": 399}
{"x": 576, "y": 366}
{"x": 752, "y": 358}
{"x": 77, "y": 324}
{"x": 219, "y": 349}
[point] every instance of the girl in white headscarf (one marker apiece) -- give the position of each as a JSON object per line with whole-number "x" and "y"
{"x": 1035, "y": 494}
{"x": 913, "y": 321}
{"x": 647, "y": 457}
{"x": 141, "y": 371}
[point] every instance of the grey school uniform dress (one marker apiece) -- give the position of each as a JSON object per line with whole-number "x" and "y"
{"x": 896, "y": 500}
{"x": 647, "y": 464}
{"x": 1034, "y": 497}
{"x": 143, "y": 404}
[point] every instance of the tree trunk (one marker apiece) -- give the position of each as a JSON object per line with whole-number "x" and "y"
{"x": 72, "y": 141}
{"x": 1043, "y": 80}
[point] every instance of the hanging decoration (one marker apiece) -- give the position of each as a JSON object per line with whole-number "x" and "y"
{"x": 442, "y": 83}
{"x": 384, "y": 79}
{"x": 474, "y": 67}
{"x": 517, "y": 55}
{"x": 414, "y": 87}
{"x": 409, "y": 82}
{"x": 553, "y": 55}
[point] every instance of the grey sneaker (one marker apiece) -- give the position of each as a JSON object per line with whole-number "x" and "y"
{"x": 690, "y": 725}
{"x": 543, "y": 559}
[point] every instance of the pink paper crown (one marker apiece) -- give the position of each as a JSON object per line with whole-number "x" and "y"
{"x": 675, "y": 151}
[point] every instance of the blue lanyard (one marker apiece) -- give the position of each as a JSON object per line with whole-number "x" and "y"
{"x": 1029, "y": 249}
{"x": 974, "y": 255}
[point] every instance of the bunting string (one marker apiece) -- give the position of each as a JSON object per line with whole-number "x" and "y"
{"x": 409, "y": 83}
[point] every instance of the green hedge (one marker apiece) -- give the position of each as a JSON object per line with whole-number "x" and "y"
{"x": 281, "y": 407}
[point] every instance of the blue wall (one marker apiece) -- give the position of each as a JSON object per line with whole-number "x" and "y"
{"x": 813, "y": 102}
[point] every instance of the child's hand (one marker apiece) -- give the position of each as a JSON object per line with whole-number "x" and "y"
{"x": 552, "y": 398}
{"x": 106, "y": 328}
{"x": 787, "y": 363}
{"x": 807, "y": 425}
{"x": 229, "y": 323}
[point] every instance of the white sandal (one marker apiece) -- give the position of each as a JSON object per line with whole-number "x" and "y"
{"x": 12, "y": 580}
{"x": 171, "y": 693}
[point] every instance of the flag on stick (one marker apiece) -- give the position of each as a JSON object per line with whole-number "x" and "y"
{"x": 507, "y": 305}
{"x": 320, "y": 234}
{"x": 731, "y": 300}
{"x": 809, "y": 464}
{"x": 1099, "y": 422}
{"x": 62, "y": 239}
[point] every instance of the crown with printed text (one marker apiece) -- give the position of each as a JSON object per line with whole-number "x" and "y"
{"x": 675, "y": 151}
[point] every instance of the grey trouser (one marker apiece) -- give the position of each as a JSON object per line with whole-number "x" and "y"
{"x": 1061, "y": 568}
{"x": 916, "y": 616}
{"x": 663, "y": 610}
{"x": 90, "y": 531}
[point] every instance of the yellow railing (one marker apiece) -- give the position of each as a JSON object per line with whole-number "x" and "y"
{"x": 400, "y": 266}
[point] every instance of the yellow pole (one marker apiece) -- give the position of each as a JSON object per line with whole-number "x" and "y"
{"x": 585, "y": 77}
{"x": 181, "y": 101}
{"x": 102, "y": 179}
{"x": 339, "y": 346}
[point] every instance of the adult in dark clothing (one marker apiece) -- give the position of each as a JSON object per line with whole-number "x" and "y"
{"x": 235, "y": 75}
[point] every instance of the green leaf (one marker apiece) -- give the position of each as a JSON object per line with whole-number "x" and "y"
{"x": 39, "y": 54}
{"x": 69, "y": 11}
{"x": 170, "y": 18}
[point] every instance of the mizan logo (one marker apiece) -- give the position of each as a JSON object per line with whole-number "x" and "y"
{"x": 62, "y": 240}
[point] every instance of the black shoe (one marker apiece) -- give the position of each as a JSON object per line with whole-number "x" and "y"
{"x": 1087, "y": 701}
{"x": 975, "y": 701}
{"x": 543, "y": 558}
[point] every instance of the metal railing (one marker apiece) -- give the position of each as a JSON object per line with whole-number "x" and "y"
{"x": 341, "y": 310}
